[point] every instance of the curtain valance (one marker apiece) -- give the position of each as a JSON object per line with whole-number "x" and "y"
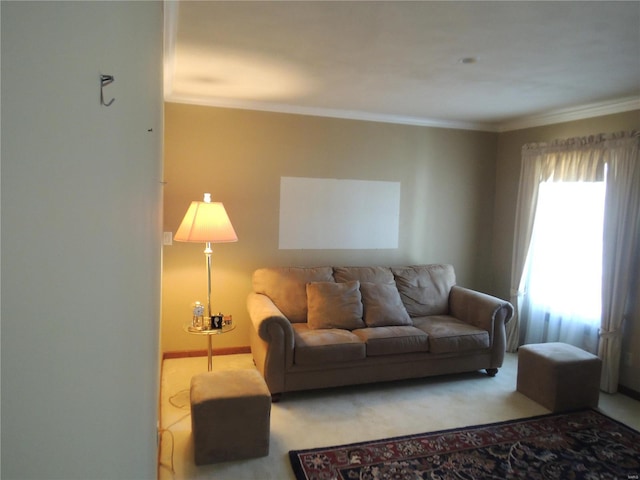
{"x": 575, "y": 159}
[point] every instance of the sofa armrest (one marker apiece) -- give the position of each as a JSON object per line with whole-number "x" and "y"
{"x": 486, "y": 312}
{"x": 264, "y": 314}
{"x": 478, "y": 309}
{"x": 272, "y": 340}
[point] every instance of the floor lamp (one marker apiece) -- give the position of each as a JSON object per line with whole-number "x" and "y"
{"x": 206, "y": 222}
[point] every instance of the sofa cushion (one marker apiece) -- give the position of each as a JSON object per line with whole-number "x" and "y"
{"x": 424, "y": 289}
{"x": 448, "y": 334}
{"x": 393, "y": 340}
{"x": 334, "y": 305}
{"x": 317, "y": 347}
{"x": 363, "y": 274}
{"x": 382, "y": 305}
{"x": 287, "y": 287}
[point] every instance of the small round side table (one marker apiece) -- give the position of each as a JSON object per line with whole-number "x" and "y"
{"x": 209, "y": 333}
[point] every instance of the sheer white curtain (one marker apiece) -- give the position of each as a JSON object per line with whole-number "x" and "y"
{"x": 621, "y": 262}
{"x": 530, "y": 176}
{"x": 584, "y": 160}
{"x": 573, "y": 160}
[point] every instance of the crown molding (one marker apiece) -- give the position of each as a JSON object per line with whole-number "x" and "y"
{"x": 571, "y": 114}
{"x": 327, "y": 112}
{"x": 556, "y": 116}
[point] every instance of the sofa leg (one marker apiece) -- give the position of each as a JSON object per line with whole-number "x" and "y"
{"x": 492, "y": 371}
{"x": 276, "y": 397}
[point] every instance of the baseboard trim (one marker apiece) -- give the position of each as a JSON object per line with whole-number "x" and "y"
{"x": 203, "y": 353}
{"x": 629, "y": 392}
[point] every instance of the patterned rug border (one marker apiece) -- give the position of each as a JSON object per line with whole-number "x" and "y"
{"x": 294, "y": 455}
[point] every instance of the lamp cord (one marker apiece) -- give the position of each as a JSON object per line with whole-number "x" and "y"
{"x": 167, "y": 429}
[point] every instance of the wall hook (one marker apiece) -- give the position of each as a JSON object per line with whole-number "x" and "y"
{"x": 104, "y": 81}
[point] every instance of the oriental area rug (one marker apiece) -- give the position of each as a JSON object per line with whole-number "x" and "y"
{"x": 577, "y": 445}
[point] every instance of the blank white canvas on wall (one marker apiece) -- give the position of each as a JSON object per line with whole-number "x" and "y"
{"x": 322, "y": 213}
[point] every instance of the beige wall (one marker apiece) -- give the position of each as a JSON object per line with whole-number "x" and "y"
{"x": 447, "y": 195}
{"x": 507, "y": 178}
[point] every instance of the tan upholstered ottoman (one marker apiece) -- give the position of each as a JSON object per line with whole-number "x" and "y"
{"x": 559, "y": 376}
{"x": 230, "y": 416}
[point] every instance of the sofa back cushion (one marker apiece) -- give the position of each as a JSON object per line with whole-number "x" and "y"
{"x": 363, "y": 274}
{"x": 334, "y": 305}
{"x": 424, "y": 289}
{"x": 287, "y": 287}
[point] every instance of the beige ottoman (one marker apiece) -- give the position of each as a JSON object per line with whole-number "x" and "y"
{"x": 230, "y": 416}
{"x": 559, "y": 376}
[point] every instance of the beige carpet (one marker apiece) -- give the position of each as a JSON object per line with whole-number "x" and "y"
{"x": 346, "y": 415}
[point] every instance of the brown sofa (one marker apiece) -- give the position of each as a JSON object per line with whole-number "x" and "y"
{"x": 318, "y": 327}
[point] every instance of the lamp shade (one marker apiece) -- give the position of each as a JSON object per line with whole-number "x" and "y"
{"x": 206, "y": 222}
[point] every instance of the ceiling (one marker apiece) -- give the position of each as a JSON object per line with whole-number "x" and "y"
{"x": 479, "y": 65}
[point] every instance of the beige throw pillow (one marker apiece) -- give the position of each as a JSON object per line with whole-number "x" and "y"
{"x": 383, "y": 306}
{"x": 334, "y": 305}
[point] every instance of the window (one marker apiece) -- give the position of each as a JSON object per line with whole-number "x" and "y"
{"x": 563, "y": 272}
